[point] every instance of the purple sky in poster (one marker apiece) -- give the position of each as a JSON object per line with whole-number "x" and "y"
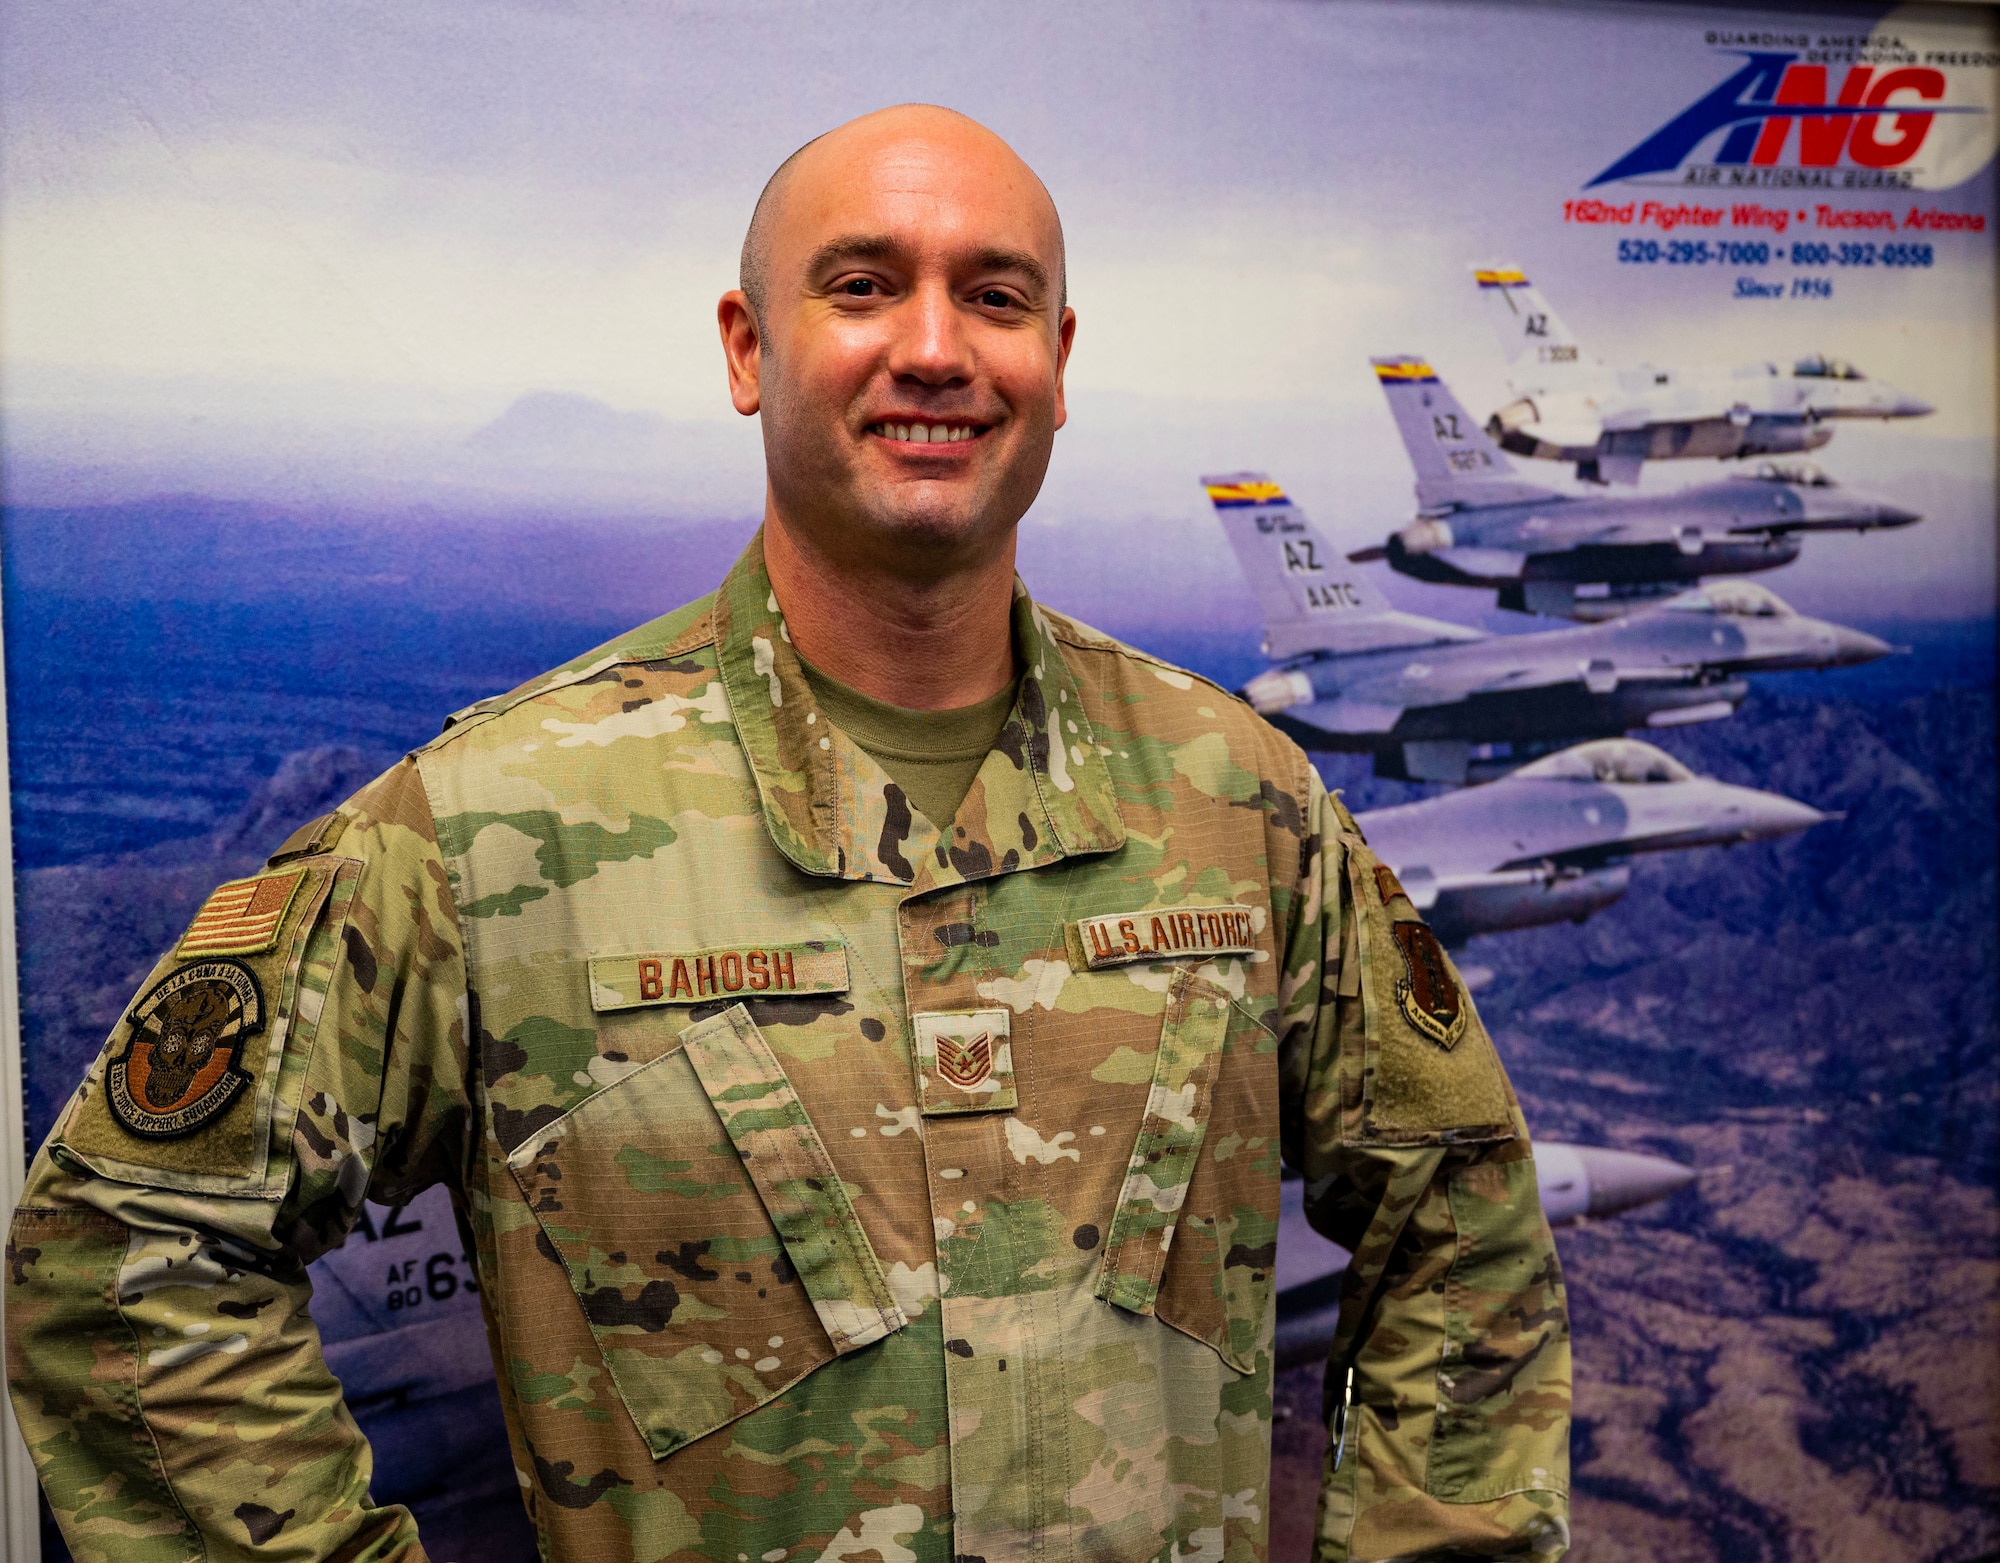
{"x": 310, "y": 255}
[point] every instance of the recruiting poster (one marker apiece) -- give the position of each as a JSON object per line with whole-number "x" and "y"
{"x": 1574, "y": 422}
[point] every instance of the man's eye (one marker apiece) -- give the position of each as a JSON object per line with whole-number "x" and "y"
{"x": 993, "y": 298}
{"x": 859, "y": 287}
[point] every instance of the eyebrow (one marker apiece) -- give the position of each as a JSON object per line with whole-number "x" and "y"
{"x": 877, "y": 247}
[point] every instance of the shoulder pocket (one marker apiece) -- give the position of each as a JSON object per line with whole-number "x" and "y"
{"x": 709, "y": 1241}
{"x": 1430, "y": 1075}
{"x": 186, "y": 1089}
{"x": 1194, "y": 1235}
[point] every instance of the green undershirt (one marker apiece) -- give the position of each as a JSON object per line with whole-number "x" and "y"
{"x": 932, "y": 755}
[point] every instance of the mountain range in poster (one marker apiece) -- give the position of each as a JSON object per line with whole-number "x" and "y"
{"x": 1784, "y": 1362}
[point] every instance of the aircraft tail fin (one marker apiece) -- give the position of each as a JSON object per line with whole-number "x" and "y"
{"x": 1312, "y": 599}
{"x": 1542, "y": 353}
{"x": 1456, "y": 462}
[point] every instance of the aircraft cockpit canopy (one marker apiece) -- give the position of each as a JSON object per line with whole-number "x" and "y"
{"x": 1623, "y": 762}
{"x": 1817, "y": 366}
{"x": 1735, "y": 599}
{"x": 1807, "y": 474}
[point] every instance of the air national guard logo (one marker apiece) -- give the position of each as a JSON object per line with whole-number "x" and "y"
{"x": 1428, "y": 994}
{"x": 179, "y": 1068}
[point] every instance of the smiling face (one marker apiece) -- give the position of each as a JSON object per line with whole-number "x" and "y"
{"x": 908, "y": 346}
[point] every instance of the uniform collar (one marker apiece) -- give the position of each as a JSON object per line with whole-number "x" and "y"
{"x": 1044, "y": 793}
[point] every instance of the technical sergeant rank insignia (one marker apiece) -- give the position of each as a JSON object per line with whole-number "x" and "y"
{"x": 1428, "y": 993}
{"x": 965, "y": 1063}
{"x": 180, "y": 1064}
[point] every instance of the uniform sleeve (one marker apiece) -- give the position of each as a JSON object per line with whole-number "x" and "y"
{"x": 1400, "y": 1116}
{"x": 281, "y": 1064}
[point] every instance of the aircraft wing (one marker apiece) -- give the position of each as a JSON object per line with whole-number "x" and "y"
{"x": 1490, "y": 563}
{"x": 1495, "y": 669}
{"x": 1491, "y": 668}
{"x": 1347, "y": 715}
{"x": 1572, "y": 429}
{"x": 1541, "y": 529}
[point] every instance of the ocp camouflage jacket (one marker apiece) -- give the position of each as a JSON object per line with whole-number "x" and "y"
{"x": 838, "y": 1186}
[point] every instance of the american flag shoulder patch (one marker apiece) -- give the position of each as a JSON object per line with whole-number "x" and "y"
{"x": 242, "y": 917}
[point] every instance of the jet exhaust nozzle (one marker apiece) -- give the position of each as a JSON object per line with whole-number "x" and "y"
{"x": 1425, "y": 536}
{"x": 1278, "y": 689}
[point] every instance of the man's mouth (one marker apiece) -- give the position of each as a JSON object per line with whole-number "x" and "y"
{"x": 930, "y": 433}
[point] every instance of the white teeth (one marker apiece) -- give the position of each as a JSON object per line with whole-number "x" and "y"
{"x": 924, "y": 433}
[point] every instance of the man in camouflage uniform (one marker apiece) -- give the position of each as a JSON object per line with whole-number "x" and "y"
{"x": 841, "y": 1183}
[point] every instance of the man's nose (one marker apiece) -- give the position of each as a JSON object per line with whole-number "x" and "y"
{"x": 932, "y": 346}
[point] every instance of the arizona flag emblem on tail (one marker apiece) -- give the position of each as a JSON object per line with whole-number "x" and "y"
{"x": 241, "y": 917}
{"x": 1232, "y": 493}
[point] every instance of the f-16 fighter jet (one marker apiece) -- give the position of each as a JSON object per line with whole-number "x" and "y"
{"x": 1353, "y": 674}
{"x": 1588, "y": 556}
{"x": 1552, "y": 841}
{"x": 1610, "y": 422}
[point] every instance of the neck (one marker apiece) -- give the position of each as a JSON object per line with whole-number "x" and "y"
{"x": 927, "y": 643}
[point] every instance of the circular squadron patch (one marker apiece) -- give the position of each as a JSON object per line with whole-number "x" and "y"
{"x": 1428, "y": 995}
{"x": 179, "y": 1068}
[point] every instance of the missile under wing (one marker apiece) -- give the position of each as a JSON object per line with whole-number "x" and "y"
{"x": 1354, "y": 674}
{"x": 1571, "y": 407}
{"x": 1552, "y": 841}
{"x": 1591, "y": 555}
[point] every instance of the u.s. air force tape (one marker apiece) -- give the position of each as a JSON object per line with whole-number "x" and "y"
{"x": 703, "y": 976}
{"x": 1168, "y": 934}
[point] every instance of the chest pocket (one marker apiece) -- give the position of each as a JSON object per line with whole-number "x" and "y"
{"x": 709, "y": 1241}
{"x": 1193, "y": 1238}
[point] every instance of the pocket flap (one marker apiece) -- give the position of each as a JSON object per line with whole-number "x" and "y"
{"x": 1169, "y": 1143}
{"x": 711, "y": 1248}
{"x": 802, "y": 1194}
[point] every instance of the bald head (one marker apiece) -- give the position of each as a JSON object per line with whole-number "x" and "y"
{"x": 901, "y": 335}
{"x": 938, "y": 131}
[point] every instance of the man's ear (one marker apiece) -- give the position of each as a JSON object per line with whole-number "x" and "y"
{"x": 742, "y": 350}
{"x": 1065, "y": 338}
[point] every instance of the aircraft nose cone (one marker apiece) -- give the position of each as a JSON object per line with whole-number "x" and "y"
{"x": 1851, "y": 648}
{"x": 1911, "y": 407}
{"x": 1895, "y": 515}
{"x": 1773, "y": 815}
